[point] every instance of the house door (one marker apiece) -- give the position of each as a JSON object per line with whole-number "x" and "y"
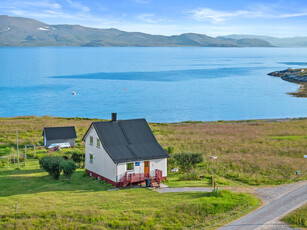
{"x": 146, "y": 168}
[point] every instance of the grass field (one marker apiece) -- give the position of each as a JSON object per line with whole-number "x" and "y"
{"x": 248, "y": 152}
{"x": 45, "y": 203}
{"x": 297, "y": 218}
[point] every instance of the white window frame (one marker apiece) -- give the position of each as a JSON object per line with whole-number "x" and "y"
{"x": 98, "y": 141}
{"x": 91, "y": 158}
{"x": 130, "y": 170}
{"x": 91, "y": 140}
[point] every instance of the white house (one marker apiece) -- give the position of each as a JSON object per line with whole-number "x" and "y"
{"x": 115, "y": 147}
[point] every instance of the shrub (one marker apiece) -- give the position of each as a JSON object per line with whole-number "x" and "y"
{"x": 170, "y": 149}
{"x": 188, "y": 161}
{"x": 216, "y": 192}
{"x": 68, "y": 167}
{"x": 3, "y": 162}
{"x": 51, "y": 164}
{"x": 78, "y": 158}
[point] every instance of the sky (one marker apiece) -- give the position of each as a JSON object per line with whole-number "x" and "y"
{"x": 281, "y": 18}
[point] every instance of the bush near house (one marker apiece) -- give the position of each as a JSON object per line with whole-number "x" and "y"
{"x": 68, "y": 167}
{"x": 78, "y": 158}
{"x": 51, "y": 164}
{"x": 188, "y": 161}
{"x": 54, "y": 165}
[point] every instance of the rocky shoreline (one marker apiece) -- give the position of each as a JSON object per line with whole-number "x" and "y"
{"x": 298, "y": 76}
{"x": 291, "y": 75}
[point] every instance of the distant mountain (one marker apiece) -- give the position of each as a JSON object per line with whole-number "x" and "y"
{"x": 280, "y": 42}
{"x": 16, "y": 31}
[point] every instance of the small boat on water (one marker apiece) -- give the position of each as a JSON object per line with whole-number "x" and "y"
{"x": 73, "y": 93}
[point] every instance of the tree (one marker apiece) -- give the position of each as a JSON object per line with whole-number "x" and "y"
{"x": 51, "y": 164}
{"x": 78, "y": 158}
{"x": 188, "y": 161}
{"x": 68, "y": 167}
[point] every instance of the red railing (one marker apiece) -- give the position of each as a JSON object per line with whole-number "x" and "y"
{"x": 140, "y": 178}
{"x": 124, "y": 181}
{"x": 137, "y": 178}
{"x": 158, "y": 176}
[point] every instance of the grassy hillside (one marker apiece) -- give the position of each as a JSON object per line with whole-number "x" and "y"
{"x": 45, "y": 203}
{"x": 248, "y": 153}
{"x": 297, "y": 218}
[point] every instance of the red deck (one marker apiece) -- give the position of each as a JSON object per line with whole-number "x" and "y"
{"x": 139, "y": 178}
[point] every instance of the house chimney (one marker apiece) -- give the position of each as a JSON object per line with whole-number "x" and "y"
{"x": 114, "y": 115}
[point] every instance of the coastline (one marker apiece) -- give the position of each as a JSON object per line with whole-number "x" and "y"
{"x": 90, "y": 119}
{"x": 297, "y": 76}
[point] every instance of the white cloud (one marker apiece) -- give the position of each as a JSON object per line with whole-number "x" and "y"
{"x": 149, "y": 18}
{"x": 215, "y": 15}
{"x": 207, "y": 14}
{"x": 31, "y": 4}
{"x": 78, "y": 6}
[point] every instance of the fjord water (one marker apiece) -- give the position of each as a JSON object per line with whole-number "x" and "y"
{"x": 160, "y": 84}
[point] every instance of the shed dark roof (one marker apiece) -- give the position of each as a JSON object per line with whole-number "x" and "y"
{"x": 129, "y": 140}
{"x": 55, "y": 133}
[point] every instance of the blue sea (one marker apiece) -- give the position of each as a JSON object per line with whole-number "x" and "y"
{"x": 159, "y": 84}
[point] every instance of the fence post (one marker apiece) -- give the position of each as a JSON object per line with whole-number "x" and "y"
{"x": 25, "y": 155}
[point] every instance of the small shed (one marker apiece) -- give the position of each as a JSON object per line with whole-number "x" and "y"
{"x": 58, "y": 135}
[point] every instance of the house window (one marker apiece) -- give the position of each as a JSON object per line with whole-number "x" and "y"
{"x": 130, "y": 166}
{"x": 98, "y": 143}
{"x": 91, "y": 140}
{"x": 91, "y": 158}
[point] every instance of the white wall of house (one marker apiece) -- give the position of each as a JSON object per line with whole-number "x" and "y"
{"x": 160, "y": 164}
{"x": 44, "y": 139}
{"x": 102, "y": 163}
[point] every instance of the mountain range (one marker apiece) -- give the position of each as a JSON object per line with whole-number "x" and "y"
{"x": 25, "y": 32}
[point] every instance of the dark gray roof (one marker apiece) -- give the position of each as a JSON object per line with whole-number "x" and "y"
{"x": 55, "y": 133}
{"x": 129, "y": 140}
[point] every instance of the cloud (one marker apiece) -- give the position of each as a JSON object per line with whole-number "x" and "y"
{"x": 78, "y": 6}
{"x": 207, "y": 14}
{"x": 30, "y": 5}
{"x": 149, "y": 18}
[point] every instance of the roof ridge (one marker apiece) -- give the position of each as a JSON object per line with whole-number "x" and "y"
{"x": 124, "y": 132}
{"x": 131, "y": 151}
{"x": 127, "y": 138}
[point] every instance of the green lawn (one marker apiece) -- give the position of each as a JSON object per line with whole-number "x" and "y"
{"x": 85, "y": 203}
{"x": 297, "y": 218}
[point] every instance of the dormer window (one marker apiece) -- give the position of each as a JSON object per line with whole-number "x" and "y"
{"x": 91, "y": 140}
{"x": 98, "y": 143}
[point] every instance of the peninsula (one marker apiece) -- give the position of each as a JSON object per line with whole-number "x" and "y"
{"x": 298, "y": 76}
{"x": 292, "y": 75}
